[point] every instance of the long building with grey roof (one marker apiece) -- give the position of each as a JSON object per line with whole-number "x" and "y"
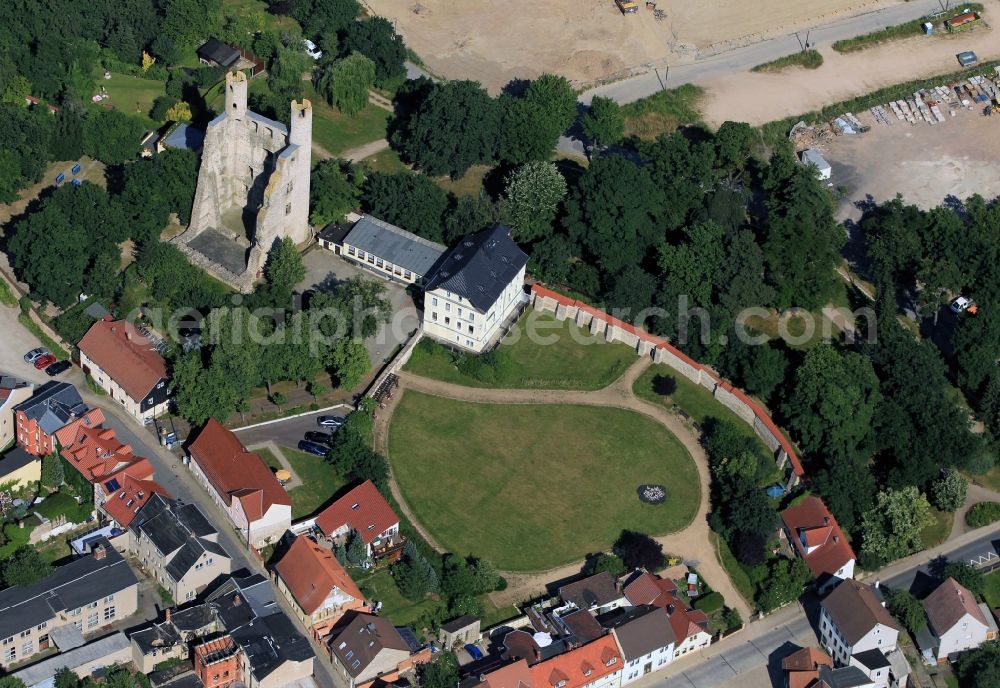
{"x": 384, "y": 249}
{"x": 83, "y": 597}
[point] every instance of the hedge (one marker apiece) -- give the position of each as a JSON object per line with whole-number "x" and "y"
{"x": 709, "y": 603}
{"x": 983, "y": 514}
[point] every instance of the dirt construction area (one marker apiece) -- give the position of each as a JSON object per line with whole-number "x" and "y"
{"x": 923, "y": 163}
{"x": 590, "y": 41}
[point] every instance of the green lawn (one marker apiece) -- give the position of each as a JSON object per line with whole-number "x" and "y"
{"x": 401, "y": 611}
{"x": 319, "y": 482}
{"x": 61, "y": 504}
{"x": 938, "y": 530}
{"x": 663, "y": 112}
{"x": 531, "y": 487}
{"x": 337, "y": 132}
{"x": 991, "y": 591}
{"x": 131, "y": 94}
{"x": 561, "y": 364}
{"x": 385, "y": 161}
{"x": 269, "y": 458}
{"x": 469, "y": 184}
{"x": 809, "y": 59}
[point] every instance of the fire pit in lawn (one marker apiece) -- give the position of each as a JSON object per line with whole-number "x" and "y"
{"x": 652, "y": 494}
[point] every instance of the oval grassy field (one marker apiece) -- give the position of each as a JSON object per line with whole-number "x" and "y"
{"x": 532, "y": 487}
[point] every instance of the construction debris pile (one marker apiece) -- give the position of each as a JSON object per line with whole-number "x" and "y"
{"x": 930, "y": 105}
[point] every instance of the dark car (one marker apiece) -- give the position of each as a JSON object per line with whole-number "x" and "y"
{"x": 313, "y": 448}
{"x": 330, "y": 421}
{"x": 319, "y": 438}
{"x": 58, "y": 367}
{"x": 967, "y": 58}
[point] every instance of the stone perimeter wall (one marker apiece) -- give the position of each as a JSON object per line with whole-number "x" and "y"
{"x": 646, "y": 344}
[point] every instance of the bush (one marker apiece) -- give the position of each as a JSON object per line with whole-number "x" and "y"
{"x": 809, "y": 59}
{"x": 983, "y": 514}
{"x": 709, "y": 603}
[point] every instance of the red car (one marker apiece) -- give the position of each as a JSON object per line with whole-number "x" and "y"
{"x": 44, "y": 361}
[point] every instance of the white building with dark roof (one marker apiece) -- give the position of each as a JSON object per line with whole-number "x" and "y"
{"x": 476, "y": 290}
{"x": 383, "y": 249}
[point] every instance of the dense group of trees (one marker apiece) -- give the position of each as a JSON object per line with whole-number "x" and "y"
{"x": 445, "y": 128}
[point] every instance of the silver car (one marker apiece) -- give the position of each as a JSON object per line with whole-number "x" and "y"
{"x": 35, "y": 354}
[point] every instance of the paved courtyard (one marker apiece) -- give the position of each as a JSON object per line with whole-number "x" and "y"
{"x": 324, "y": 270}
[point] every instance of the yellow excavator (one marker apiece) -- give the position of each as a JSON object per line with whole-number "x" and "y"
{"x": 627, "y": 6}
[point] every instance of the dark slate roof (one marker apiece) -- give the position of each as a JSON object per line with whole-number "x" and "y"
{"x": 53, "y": 405}
{"x": 593, "y": 591}
{"x": 184, "y": 136}
{"x": 176, "y": 527}
{"x": 361, "y": 639}
{"x": 646, "y": 633}
{"x": 844, "y": 677}
{"x": 253, "y": 618}
{"x": 480, "y": 266}
{"x": 399, "y": 247}
{"x": 458, "y": 624}
{"x": 155, "y": 636}
{"x": 76, "y": 584}
{"x": 15, "y": 459}
{"x": 335, "y": 232}
{"x": 192, "y": 618}
{"x": 873, "y": 659}
{"x": 218, "y": 52}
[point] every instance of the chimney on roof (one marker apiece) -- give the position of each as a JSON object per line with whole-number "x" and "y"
{"x": 877, "y": 583}
{"x": 99, "y": 553}
{"x": 826, "y": 520}
{"x": 168, "y": 615}
{"x": 237, "y": 601}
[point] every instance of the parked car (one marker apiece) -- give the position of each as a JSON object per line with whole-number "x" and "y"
{"x": 962, "y": 304}
{"x": 330, "y": 421}
{"x": 58, "y": 367}
{"x": 44, "y": 361}
{"x": 319, "y": 438}
{"x": 35, "y": 354}
{"x": 474, "y": 652}
{"x": 313, "y": 448}
{"x": 312, "y": 50}
{"x": 967, "y": 58}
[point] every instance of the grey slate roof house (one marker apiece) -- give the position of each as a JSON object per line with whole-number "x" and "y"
{"x": 50, "y": 408}
{"x": 382, "y": 248}
{"x": 476, "y": 290}
{"x": 87, "y": 594}
{"x": 598, "y": 593}
{"x": 178, "y": 545}
{"x": 647, "y": 643}
{"x": 215, "y": 52}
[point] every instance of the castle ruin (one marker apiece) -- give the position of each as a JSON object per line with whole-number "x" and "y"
{"x": 253, "y": 189}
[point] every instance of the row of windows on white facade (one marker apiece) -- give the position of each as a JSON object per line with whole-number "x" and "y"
{"x": 372, "y": 259}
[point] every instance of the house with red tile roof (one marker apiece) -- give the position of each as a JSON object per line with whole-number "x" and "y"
{"x": 317, "y": 585}
{"x": 364, "y": 511}
{"x": 597, "y": 664}
{"x": 690, "y": 626}
{"x": 126, "y": 365}
{"x": 812, "y": 668}
{"x": 96, "y": 453}
{"x": 514, "y": 675}
{"x": 125, "y": 493}
{"x": 817, "y": 537}
{"x": 241, "y": 484}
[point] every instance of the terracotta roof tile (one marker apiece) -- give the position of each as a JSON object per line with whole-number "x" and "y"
{"x": 806, "y": 659}
{"x": 96, "y": 453}
{"x": 600, "y": 658}
{"x": 125, "y": 355}
{"x": 363, "y": 510}
{"x": 123, "y": 504}
{"x": 312, "y": 572}
{"x": 515, "y": 675}
{"x": 811, "y": 518}
{"x": 236, "y": 473}
{"x": 92, "y": 418}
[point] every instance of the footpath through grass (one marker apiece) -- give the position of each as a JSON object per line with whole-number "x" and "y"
{"x": 540, "y": 353}
{"x": 531, "y": 487}
{"x": 808, "y": 59}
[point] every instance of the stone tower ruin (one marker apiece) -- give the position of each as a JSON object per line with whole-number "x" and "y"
{"x": 253, "y": 188}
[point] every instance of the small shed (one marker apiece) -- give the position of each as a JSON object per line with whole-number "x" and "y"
{"x": 215, "y": 52}
{"x": 460, "y": 631}
{"x": 811, "y": 156}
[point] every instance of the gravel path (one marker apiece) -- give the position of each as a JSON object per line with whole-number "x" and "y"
{"x": 692, "y": 542}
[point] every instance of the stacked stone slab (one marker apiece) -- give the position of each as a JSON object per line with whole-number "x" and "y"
{"x": 259, "y": 168}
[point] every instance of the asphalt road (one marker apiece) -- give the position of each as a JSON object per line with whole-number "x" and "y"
{"x": 288, "y": 431}
{"x": 742, "y": 59}
{"x": 983, "y": 551}
{"x": 170, "y": 470}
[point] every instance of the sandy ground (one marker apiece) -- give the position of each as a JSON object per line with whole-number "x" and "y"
{"x": 924, "y": 163}
{"x": 589, "y": 41}
{"x": 763, "y": 97}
